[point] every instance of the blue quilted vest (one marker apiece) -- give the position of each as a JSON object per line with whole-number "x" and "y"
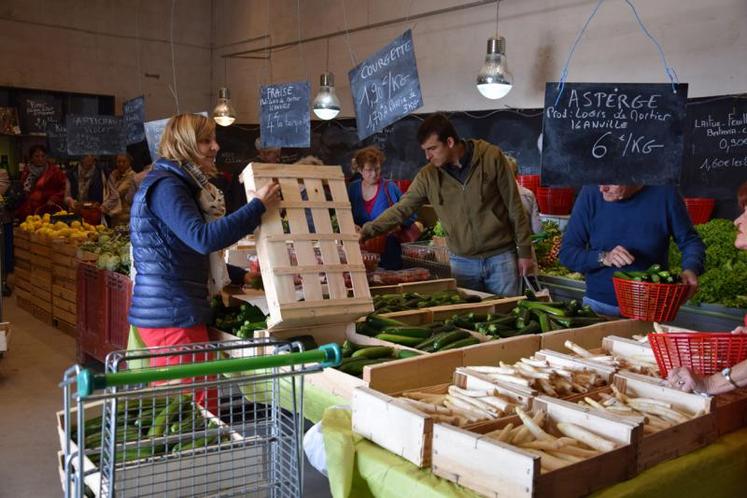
{"x": 171, "y": 281}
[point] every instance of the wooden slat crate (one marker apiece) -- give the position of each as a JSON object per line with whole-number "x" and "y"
{"x": 23, "y": 300}
{"x": 61, "y": 304}
{"x": 63, "y": 292}
{"x": 324, "y": 190}
{"x": 41, "y": 262}
{"x": 495, "y": 469}
{"x": 22, "y": 243}
{"x": 23, "y": 284}
{"x": 731, "y": 410}
{"x": 591, "y": 337}
{"x": 65, "y": 272}
{"x": 21, "y": 264}
{"x": 23, "y": 274}
{"x": 21, "y": 254}
{"x": 41, "y": 278}
{"x": 41, "y": 246}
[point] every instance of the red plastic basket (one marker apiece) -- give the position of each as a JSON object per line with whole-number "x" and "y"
{"x": 403, "y": 185}
{"x": 704, "y": 353}
{"x": 700, "y": 209}
{"x": 648, "y": 301}
{"x": 532, "y": 182}
{"x": 376, "y": 244}
{"x": 118, "y": 297}
{"x": 554, "y": 200}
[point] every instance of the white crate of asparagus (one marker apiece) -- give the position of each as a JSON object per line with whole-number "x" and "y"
{"x": 621, "y": 354}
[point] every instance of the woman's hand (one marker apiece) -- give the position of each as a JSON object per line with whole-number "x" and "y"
{"x": 683, "y": 379}
{"x": 269, "y": 195}
{"x": 739, "y": 330}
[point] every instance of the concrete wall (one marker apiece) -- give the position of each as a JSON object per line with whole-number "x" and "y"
{"x": 705, "y": 41}
{"x": 111, "y": 47}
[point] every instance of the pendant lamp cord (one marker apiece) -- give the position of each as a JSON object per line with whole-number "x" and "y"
{"x": 668, "y": 70}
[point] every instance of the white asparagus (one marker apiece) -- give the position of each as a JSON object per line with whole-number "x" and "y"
{"x": 511, "y": 379}
{"x": 535, "y": 363}
{"x": 652, "y": 401}
{"x": 546, "y": 387}
{"x": 549, "y": 445}
{"x": 565, "y": 456}
{"x": 493, "y": 370}
{"x": 657, "y": 409}
{"x": 584, "y": 353}
{"x": 586, "y": 437}
{"x": 532, "y": 426}
{"x": 472, "y": 393}
{"x": 505, "y": 434}
{"x": 427, "y": 407}
{"x": 527, "y": 371}
{"x": 474, "y": 404}
{"x": 576, "y": 451}
{"x": 523, "y": 435}
{"x": 498, "y": 402}
{"x": 547, "y": 461}
{"x": 469, "y": 415}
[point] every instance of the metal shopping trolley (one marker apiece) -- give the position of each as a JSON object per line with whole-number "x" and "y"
{"x": 219, "y": 419}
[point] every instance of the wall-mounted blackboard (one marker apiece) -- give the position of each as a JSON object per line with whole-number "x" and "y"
{"x": 614, "y": 133}
{"x": 103, "y": 135}
{"x": 133, "y": 114}
{"x": 38, "y": 109}
{"x": 154, "y": 130}
{"x": 57, "y": 140}
{"x": 716, "y": 150}
{"x": 284, "y": 114}
{"x": 385, "y": 86}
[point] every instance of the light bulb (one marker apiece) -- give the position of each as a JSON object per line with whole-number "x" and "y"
{"x": 494, "y": 80}
{"x": 326, "y": 104}
{"x": 223, "y": 113}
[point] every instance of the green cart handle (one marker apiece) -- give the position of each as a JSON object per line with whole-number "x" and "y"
{"x": 328, "y": 355}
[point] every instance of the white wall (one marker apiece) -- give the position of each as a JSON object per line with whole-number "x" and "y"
{"x": 705, "y": 41}
{"x": 93, "y": 46}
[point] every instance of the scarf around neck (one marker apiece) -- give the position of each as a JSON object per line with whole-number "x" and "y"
{"x": 34, "y": 173}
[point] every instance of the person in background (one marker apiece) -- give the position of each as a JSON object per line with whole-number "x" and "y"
{"x": 178, "y": 230}
{"x": 728, "y": 379}
{"x": 6, "y": 218}
{"x": 270, "y": 155}
{"x": 372, "y": 195}
{"x": 42, "y": 183}
{"x": 627, "y": 227}
{"x": 527, "y": 199}
{"x": 90, "y": 183}
{"x": 471, "y": 188}
{"x": 123, "y": 178}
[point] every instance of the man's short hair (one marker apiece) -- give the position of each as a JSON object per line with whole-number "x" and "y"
{"x": 439, "y": 125}
{"x": 258, "y": 145}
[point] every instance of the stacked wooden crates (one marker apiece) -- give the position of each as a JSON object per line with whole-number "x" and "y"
{"x": 41, "y": 277}
{"x": 64, "y": 285}
{"x": 22, "y": 269}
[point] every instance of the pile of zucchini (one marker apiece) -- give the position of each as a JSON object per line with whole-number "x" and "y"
{"x": 436, "y": 336}
{"x": 357, "y": 356}
{"x": 389, "y": 303}
{"x": 655, "y": 274}
{"x": 147, "y": 421}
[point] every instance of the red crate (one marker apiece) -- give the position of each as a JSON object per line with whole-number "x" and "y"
{"x": 532, "y": 182}
{"x": 649, "y": 301}
{"x": 704, "y": 353}
{"x": 118, "y": 298}
{"x": 700, "y": 209}
{"x": 91, "y": 311}
{"x": 554, "y": 200}
{"x": 403, "y": 185}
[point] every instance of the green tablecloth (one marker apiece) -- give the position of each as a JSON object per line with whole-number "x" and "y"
{"x": 359, "y": 468}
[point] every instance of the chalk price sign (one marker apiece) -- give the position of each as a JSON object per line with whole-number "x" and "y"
{"x": 284, "y": 119}
{"x": 386, "y": 86}
{"x": 624, "y": 133}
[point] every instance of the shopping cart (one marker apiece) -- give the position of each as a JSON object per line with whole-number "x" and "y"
{"x": 211, "y": 424}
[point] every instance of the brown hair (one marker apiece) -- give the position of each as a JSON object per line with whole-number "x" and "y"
{"x": 439, "y": 125}
{"x": 181, "y": 135}
{"x": 370, "y": 154}
{"x": 742, "y": 196}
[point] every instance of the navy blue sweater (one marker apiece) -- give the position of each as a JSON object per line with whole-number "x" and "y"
{"x": 642, "y": 224}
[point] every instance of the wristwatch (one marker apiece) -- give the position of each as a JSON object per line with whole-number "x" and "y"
{"x": 600, "y": 257}
{"x": 726, "y": 372}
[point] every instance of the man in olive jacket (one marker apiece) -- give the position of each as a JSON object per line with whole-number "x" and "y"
{"x": 471, "y": 187}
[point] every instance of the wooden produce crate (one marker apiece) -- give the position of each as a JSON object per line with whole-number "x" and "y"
{"x": 591, "y": 337}
{"x": 425, "y": 287}
{"x": 676, "y": 441}
{"x": 324, "y": 188}
{"x": 731, "y": 411}
{"x": 495, "y": 469}
{"x": 398, "y": 427}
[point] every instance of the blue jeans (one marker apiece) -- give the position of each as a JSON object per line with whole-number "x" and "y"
{"x": 497, "y": 274}
{"x": 601, "y": 308}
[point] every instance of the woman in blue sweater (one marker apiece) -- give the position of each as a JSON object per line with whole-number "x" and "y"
{"x": 372, "y": 195}
{"x": 627, "y": 227}
{"x": 178, "y": 230}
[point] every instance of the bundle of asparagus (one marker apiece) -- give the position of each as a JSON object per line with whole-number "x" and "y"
{"x": 575, "y": 444}
{"x": 459, "y": 406}
{"x": 644, "y": 365}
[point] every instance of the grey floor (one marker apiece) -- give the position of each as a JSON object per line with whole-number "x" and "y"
{"x": 29, "y": 398}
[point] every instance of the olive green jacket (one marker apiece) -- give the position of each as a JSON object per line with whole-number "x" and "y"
{"x": 483, "y": 217}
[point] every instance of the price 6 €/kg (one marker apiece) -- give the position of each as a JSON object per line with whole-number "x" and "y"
{"x": 631, "y": 144}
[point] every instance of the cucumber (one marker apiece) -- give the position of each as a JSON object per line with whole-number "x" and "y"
{"x": 406, "y": 353}
{"x": 187, "y": 425}
{"x": 379, "y": 322}
{"x": 429, "y": 342}
{"x": 449, "y": 338}
{"x": 373, "y": 352}
{"x": 355, "y": 367}
{"x": 419, "y": 332}
{"x": 467, "y": 341}
{"x": 172, "y": 409}
{"x": 366, "y": 329}
{"x": 400, "y": 339}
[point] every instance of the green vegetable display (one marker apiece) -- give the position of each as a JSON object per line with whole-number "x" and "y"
{"x": 388, "y": 303}
{"x": 242, "y": 321}
{"x": 113, "y": 250}
{"x": 724, "y": 281}
{"x": 547, "y": 247}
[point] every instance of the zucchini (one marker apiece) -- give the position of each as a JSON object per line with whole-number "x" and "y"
{"x": 379, "y": 322}
{"x": 577, "y": 321}
{"x": 373, "y": 352}
{"x": 407, "y": 353}
{"x": 449, "y": 338}
{"x": 355, "y": 367}
{"x": 400, "y": 339}
{"x": 172, "y": 409}
{"x": 429, "y": 342}
{"x": 364, "y": 328}
{"x": 409, "y": 331}
{"x": 467, "y": 341}
{"x": 538, "y": 306}
{"x": 530, "y": 328}
{"x": 348, "y": 348}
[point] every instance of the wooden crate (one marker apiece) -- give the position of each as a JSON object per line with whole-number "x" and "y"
{"x": 591, "y": 337}
{"x": 23, "y": 300}
{"x": 41, "y": 278}
{"x": 43, "y": 304}
{"x": 41, "y": 246}
{"x": 60, "y": 304}
{"x": 41, "y": 262}
{"x": 20, "y": 264}
{"x": 398, "y": 427}
{"x": 22, "y": 254}
{"x": 65, "y": 272}
{"x": 42, "y": 314}
{"x": 63, "y": 292}
{"x": 425, "y": 287}
{"x": 70, "y": 328}
{"x": 495, "y": 469}
{"x": 289, "y": 308}
{"x": 731, "y": 411}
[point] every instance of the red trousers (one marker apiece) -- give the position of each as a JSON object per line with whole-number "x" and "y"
{"x": 174, "y": 336}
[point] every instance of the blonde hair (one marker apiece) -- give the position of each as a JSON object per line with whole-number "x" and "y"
{"x": 370, "y": 154}
{"x": 181, "y": 136}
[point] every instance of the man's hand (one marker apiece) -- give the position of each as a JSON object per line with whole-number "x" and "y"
{"x": 526, "y": 265}
{"x": 618, "y": 257}
{"x": 269, "y": 195}
{"x": 691, "y": 279}
{"x": 684, "y": 380}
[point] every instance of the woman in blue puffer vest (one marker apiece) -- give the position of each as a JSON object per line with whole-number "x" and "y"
{"x": 178, "y": 230}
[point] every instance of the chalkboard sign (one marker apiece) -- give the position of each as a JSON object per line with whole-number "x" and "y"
{"x": 153, "y": 132}
{"x": 37, "y": 110}
{"x": 385, "y": 86}
{"x": 133, "y": 114}
{"x": 236, "y": 145}
{"x": 103, "y": 135}
{"x": 613, "y": 133}
{"x": 716, "y": 151}
{"x": 57, "y": 140}
{"x": 284, "y": 119}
